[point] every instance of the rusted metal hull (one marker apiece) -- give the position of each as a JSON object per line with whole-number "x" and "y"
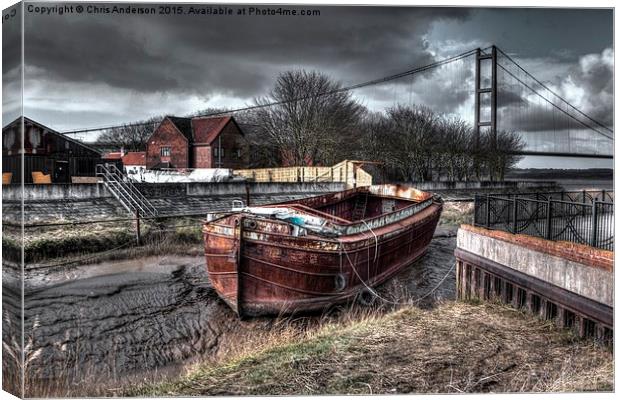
{"x": 258, "y": 266}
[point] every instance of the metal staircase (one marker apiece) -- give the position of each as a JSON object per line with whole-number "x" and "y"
{"x": 125, "y": 191}
{"x": 359, "y": 210}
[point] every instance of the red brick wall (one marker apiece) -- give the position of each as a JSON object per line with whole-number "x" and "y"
{"x": 571, "y": 251}
{"x": 232, "y": 139}
{"x": 167, "y": 134}
{"x": 202, "y": 157}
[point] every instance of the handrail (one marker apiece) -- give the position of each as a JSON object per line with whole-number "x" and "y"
{"x": 125, "y": 191}
{"x": 588, "y": 223}
{"x": 134, "y": 192}
{"x": 541, "y": 201}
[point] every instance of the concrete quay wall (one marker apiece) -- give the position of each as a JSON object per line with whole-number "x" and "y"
{"x": 80, "y": 191}
{"x": 566, "y": 282}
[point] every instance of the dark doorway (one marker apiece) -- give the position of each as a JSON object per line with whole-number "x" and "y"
{"x": 61, "y": 171}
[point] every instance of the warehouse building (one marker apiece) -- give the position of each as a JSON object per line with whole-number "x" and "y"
{"x": 49, "y": 156}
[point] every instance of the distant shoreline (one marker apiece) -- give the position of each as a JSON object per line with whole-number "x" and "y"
{"x": 559, "y": 174}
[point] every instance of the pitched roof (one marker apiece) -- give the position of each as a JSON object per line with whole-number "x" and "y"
{"x": 184, "y": 125}
{"x": 113, "y": 155}
{"x": 134, "y": 158}
{"x": 202, "y": 130}
{"x": 52, "y": 131}
{"x": 206, "y": 130}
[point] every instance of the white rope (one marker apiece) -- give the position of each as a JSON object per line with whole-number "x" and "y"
{"x": 437, "y": 286}
{"x": 370, "y": 289}
{"x": 376, "y": 239}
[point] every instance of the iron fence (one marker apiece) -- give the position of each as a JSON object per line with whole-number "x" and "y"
{"x": 578, "y": 196}
{"x": 590, "y": 222}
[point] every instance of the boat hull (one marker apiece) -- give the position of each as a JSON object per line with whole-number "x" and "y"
{"x": 258, "y": 267}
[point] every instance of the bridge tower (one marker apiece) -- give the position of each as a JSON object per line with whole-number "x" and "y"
{"x": 486, "y": 93}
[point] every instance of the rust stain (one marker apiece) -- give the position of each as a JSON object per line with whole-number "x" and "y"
{"x": 275, "y": 271}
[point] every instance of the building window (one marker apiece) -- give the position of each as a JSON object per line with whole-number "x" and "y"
{"x": 238, "y": 151}
{"x": 218, "y": 152}
{"x": 165, "y": 151}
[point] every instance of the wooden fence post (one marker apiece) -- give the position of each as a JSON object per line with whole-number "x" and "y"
{"x": 138, "y": 235}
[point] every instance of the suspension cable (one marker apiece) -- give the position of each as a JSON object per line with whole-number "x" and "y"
{"x": 276, "y": 103}
{"x": 555, "y": 94}
{"x": 554, "y": 105}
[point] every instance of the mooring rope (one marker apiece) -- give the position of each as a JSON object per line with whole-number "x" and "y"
{"x": 374, "y": 293}
{"x": 376, "y": 239}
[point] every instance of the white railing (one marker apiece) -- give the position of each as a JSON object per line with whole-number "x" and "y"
{"x": 125, "y": 191}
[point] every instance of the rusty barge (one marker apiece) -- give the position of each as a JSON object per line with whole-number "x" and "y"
{"x": 312, "y": 253}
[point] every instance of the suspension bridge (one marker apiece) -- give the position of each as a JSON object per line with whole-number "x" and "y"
{"x": 487, "y": 88}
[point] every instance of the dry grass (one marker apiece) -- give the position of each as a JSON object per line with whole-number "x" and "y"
{"x": 457, "y": 347}
{"x": 103, "y": 242}
{"x": 457, "y": 213}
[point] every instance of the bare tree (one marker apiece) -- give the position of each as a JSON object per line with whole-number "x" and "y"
{"x": 501, "y": 153}
{"x": 131, "y": 137}
{"x": 412, "y": 140}
{"x": 312, "y": 119}
{"x": 373, "y": 145}
{"x": 456, "y": 140}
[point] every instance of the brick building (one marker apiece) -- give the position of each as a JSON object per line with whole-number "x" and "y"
{"x": 202, "y": 142}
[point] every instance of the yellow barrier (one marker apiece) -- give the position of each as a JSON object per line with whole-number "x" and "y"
{"x": 6, "y": 178}
{"x": 347, "y": 171}
{"x": 41, "y": 178}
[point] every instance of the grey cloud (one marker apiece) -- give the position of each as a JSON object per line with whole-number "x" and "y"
{"x": 593, "y": 75}
{"x": 239, "y": 55}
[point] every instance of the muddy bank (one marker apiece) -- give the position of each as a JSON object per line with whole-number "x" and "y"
{"x": 120, "y": 319}
{"x": 105, "y": 324}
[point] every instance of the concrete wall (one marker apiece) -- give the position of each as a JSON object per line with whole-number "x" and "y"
{"x": 588, "y": 281}
{"x": 78, "y": 191}
{"x": 55, "y": 191}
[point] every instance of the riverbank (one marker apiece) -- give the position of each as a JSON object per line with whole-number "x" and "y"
{"x": 453, "y": 348}
{"x": 148, "y": 314}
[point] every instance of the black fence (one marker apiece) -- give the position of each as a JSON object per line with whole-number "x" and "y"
{"x": 577, "y": 217}
{"x": 579, "y": 196}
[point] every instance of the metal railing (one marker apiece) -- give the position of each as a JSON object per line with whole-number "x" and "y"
{"x": 590, "y": 222}
{"x": 125, "y": 191}
{"x": 577, "y": 196}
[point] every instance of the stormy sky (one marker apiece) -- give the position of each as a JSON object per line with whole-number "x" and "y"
{"x": 95, "y": 69}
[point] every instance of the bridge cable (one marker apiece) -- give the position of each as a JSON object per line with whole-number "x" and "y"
{"x": 554, "y": 93}
{"x": 554, "y": 105}
{"x": 326, "y": 93}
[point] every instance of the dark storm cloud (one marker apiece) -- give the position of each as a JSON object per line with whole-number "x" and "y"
{"x": 11, "y": 61}
{"x": 508, "y": 98}
{"x": 535, "y": 117}
{"x": 587, "y": 85}
{"x": 595, "y": 76}
{"x": 237, "y": 55}
{"x": 11, "y": 45}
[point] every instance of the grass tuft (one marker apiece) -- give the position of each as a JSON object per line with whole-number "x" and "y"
{"x": 457, "y": 347}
